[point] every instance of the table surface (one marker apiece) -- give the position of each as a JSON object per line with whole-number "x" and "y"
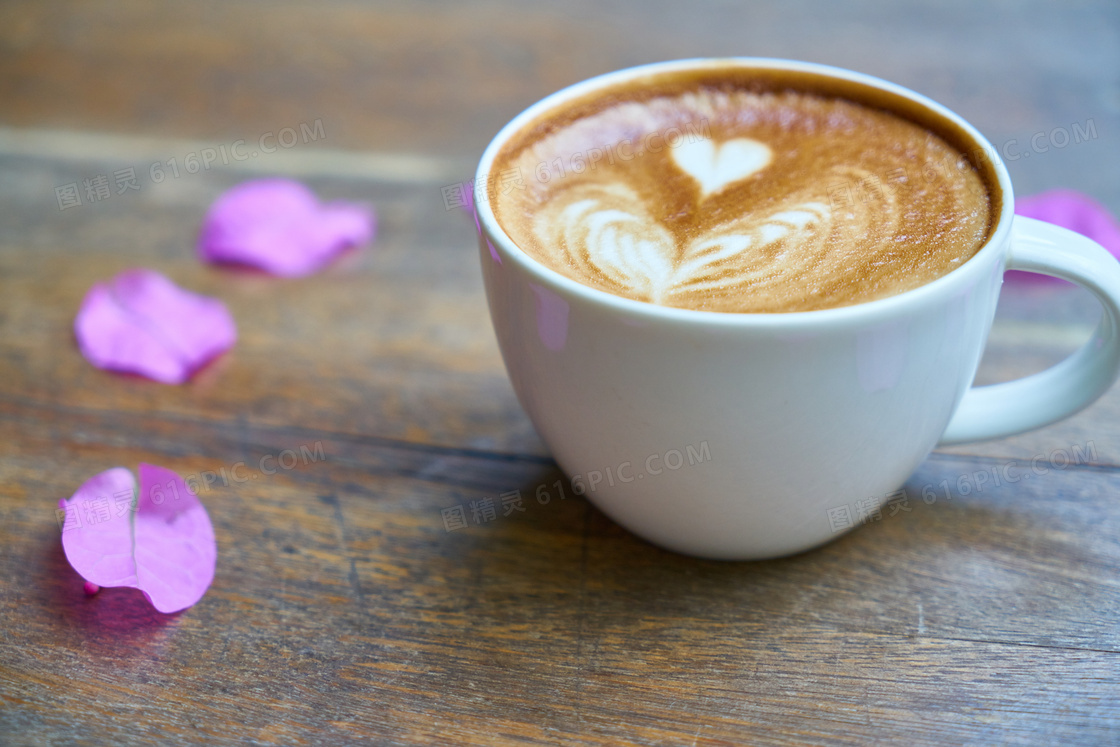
{"x": 365, "y": 400}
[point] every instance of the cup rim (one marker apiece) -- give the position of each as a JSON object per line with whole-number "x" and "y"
{"x": 489, "y": 227}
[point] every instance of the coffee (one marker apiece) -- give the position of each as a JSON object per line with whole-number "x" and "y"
{"x": 743, "y": 191}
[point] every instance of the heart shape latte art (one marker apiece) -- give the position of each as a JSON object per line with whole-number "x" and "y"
{"x": 606, "y": 233}
{"x": 715, "y": 166}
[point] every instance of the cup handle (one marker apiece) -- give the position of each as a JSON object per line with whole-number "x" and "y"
{"x": 1060, "y": 391}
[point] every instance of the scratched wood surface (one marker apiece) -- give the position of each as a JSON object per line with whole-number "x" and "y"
{"x": 362, "y": 402}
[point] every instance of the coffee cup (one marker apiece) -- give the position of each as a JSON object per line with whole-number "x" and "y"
{"x": 730, "y": 434}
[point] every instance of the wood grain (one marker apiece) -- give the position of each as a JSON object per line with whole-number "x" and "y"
{"x": 361, "y": 403}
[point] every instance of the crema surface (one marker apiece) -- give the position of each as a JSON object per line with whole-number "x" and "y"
{"x": 740, "y": 201}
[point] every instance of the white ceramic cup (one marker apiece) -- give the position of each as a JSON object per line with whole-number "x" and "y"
{"x": 732, "y": 435}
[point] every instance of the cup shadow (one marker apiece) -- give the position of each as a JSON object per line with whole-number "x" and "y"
{"x": 577, "y": 552}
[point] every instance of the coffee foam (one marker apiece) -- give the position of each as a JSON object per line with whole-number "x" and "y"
{"x": 740, "y": 201}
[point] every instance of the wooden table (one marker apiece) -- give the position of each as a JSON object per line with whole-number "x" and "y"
{"x": 365, "y": 400}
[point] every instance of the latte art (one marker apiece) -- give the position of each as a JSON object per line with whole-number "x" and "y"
{"x": 715, "y": 166}
{"x": 786, "y": 202}
{"x": 608, "y": 234}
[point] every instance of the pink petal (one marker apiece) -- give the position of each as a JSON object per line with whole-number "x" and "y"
{"x": 143, "y": 323}
{"x": 175, "y": 550}
{"x": 1075, "y": 211}
{"x": 159, "y": 540}
{"x": 279, "y": 226}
